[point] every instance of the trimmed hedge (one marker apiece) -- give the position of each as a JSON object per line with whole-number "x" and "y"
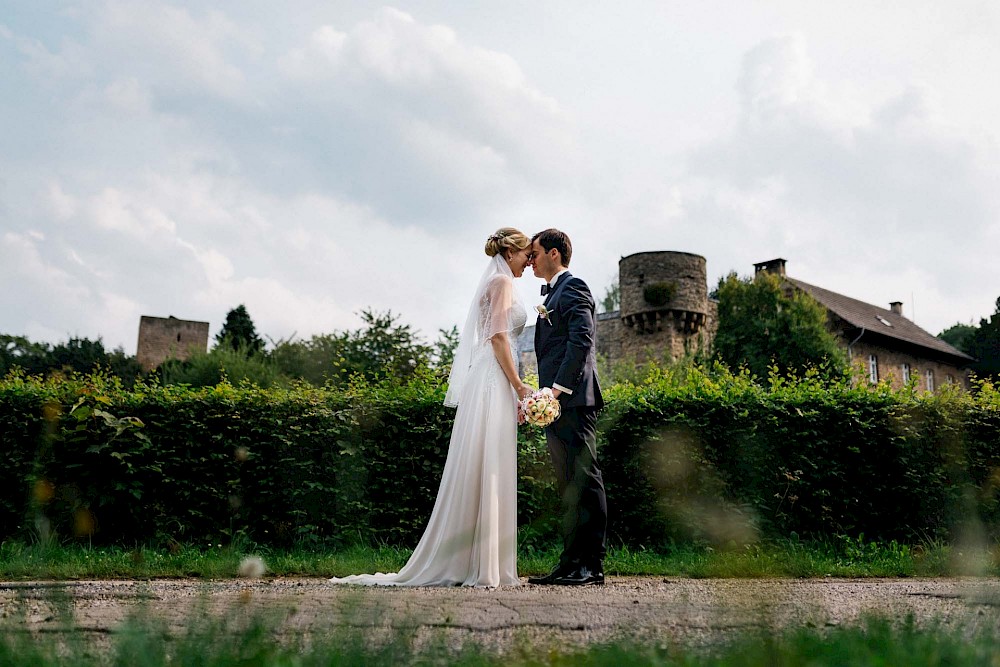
{"x": 690, "y": 455}
{"x": 722, "y": 459}
{"x": 202, "y": 466}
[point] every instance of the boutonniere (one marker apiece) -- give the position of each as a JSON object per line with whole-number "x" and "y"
{"x": 543, "y": 313}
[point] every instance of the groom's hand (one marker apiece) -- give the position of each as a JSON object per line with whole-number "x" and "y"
{"x": 556, "y": 392}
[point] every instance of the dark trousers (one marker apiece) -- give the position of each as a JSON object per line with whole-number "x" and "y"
{"x": 572, "y": 444}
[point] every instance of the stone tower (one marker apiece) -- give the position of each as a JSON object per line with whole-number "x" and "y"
{"x": 665, "y": 311}
{"x": 162, "y": 338}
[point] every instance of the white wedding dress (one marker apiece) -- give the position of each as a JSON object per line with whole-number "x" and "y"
{"x": 471, "y": 536}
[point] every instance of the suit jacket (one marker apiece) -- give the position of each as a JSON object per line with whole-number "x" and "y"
{"x": 566, "y": 343}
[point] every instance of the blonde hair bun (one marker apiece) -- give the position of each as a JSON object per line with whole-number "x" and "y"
{"x": 504, "y": 239}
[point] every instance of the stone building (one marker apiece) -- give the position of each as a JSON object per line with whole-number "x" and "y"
{"x": 665, "y": 312}
{"x": 162, "y": 338}
{"x": 887, "y": 345}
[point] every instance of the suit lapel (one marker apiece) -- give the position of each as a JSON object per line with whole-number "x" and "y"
{"x": 555, "y": 288}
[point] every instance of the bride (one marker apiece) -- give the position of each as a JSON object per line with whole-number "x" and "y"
{"x": 471, "y": 537}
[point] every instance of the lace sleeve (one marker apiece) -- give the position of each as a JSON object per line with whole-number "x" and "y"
{"x": 496, "y": 306}
{"x": 490, "y": 312}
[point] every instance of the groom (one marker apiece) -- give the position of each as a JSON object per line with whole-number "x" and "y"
{"x": 565, "y": 346}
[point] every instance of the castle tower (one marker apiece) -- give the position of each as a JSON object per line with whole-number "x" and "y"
{"x": 162, "y": 338}
{"x": 665, "y": 311}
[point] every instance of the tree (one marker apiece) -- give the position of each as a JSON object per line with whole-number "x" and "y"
{"x": 982, "y": 342}
{"x": 444, "y": 348}
{"x": 239, "y": 333}
{"x": 124, "y": 366}
{"x": 984, "y": 345}
{"x": 79, "y": 354}
{"x": 958, "y": 336}
{"x": 207, "y": 369}
{"x": 760, "y": 325}
{"x": 612, "y": 296}
{"x": 382, "y": 346}
{"x": 19, "y": 352}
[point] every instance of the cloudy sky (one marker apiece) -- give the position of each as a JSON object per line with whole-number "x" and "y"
{"x": 313, "y": 158}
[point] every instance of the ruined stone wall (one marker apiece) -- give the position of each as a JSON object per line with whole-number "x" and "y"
{"x": 610, "y": 332}
{"x": 162, "y": 338}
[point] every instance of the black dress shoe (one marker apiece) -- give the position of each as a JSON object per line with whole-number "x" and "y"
{"x": 557, "y": 571}
{"x": 584, "y": 575}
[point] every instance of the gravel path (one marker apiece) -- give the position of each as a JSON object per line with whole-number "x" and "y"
{"x": 692, "y": 611}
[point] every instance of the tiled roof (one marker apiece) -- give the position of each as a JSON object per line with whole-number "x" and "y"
{"x": 872, "y": 318}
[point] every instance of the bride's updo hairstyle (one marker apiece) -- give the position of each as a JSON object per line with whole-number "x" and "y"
{"x": 506, "y": 239}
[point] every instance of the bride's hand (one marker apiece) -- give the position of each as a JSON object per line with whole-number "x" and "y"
{"x": 524, "y": 391}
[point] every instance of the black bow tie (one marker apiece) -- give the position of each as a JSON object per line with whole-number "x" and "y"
{"x": 546, "y": 289}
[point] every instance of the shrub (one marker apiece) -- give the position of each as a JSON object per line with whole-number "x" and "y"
{"x": 688, "y": 455}
{"x": 194, "y": 465}
{"x": 715, "y": 457}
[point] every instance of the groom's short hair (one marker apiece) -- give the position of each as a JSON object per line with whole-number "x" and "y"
{"x": 553, "y": 238}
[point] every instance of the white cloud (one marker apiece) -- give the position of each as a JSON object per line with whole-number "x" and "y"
{"x": 861, "y": 197}
{"x": 21, "y": 257}
{"x": 453, "y": 119}
{"x": 41, "y": 61}
{"x": 62, "y": 206}
{"x": 168, "y": 158}
{"x": 128, "y": 95}
{"x": 111, "y": 210}
{"x": 178, "y": 49}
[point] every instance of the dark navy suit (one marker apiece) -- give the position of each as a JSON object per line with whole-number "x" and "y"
{"x": 565, "y": 344}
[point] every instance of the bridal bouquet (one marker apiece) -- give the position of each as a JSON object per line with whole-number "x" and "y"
{"x": 540, "y": 408}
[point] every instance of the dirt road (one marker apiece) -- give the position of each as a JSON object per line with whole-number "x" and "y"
{"x": 690, "y": 611}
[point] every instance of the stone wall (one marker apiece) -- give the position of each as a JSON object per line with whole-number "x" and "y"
{"x": 162, "y": 338}
{"x": 890, "y": 367}
{"x": 527, "y": 364}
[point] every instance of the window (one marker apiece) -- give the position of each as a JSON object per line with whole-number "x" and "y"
{"x": 930, "y": 380}
{"x": 178, "y": 338}
{"x": 906, "y": 373}
{"x": 873, "y": 369}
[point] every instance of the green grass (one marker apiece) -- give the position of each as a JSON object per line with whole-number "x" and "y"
{"x": 235, "y": 639}
{"x": 843, "y": 558}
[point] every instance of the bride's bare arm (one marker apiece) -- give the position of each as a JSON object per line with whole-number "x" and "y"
{"x": 501, "y": 350}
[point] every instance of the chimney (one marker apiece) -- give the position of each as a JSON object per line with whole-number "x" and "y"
{"x": 775, "y": 266}
{"x": 896, "y": 307}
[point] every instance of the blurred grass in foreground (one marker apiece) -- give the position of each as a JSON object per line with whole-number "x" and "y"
{"x": 236, "y": 639}
{"x": 844, "y": 557}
